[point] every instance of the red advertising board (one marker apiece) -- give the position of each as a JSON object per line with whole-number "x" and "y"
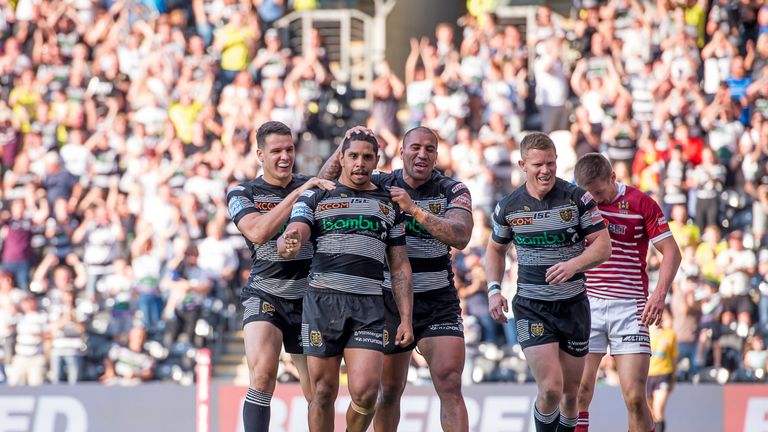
{"x": 746, "y": 408}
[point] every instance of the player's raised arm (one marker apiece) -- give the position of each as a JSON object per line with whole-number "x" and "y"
{"x": 261, "y": 228}
{"x": 331, "y": 170}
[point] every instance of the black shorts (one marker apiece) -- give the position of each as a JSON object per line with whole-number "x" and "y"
{"x": 566, "y": 322}
{"x": 435, "y": 313}
{"x": 284, "y": 314}
{"x": 335, "y": 320}
{"x": 658, "y": 382}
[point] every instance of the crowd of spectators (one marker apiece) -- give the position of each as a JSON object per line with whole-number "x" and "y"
{"x": 123, "y": 122}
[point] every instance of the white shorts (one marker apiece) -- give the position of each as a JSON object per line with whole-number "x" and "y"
{"x": 616, "y": 327}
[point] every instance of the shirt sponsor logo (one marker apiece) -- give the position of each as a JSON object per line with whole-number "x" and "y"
{"x": 414, "y": 227}
{"x": 595, "y": 216}
{"x": 457, "y": 187}
{"x": 332, "y": 206}
{"x": 544, "y": 238}
{"x": 358, "y": 223}
{"x": 662, "y": 221}
{"x": 238, "y": 204}
{"x": 586, "y": 198}
{"x": 464, "y": 201}
{"x": 527, "y": 220}
{"x": 300, "y": 209}
{"x": 617, "y": 229}
{"x": 264, "y": 206}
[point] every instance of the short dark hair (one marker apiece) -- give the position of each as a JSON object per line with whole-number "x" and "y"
{"x": 271, "y": 128}
{"x": 591, "y": 167}
{"x": 360, "y": 136}
{"x": 535, "y": 141}
{"x": 421, "y": 129}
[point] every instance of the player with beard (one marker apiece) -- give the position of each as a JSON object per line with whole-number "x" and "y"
{"x": 272, "y": 297}
{"x": 558, "y": 234}
{"x": 438, "y": 216}
{"x": 355, "y": 228}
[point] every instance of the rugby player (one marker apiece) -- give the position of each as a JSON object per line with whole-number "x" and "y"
{"x": 272, "y": 297}
{"x": 558, "y": 234}
{"x": 438, "y": 216}
{"x": 622, "y": 311}
{"x": 355, "y": 228}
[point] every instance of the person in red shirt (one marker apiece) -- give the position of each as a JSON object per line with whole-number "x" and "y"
{"x": 622, "y": 310}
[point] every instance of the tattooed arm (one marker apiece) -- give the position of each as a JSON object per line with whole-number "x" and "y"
{"x": 402, "y": 289}
{"x": 454, "y": 229}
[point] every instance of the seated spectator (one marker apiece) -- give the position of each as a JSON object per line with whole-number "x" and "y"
{"x": 129, "y": 364}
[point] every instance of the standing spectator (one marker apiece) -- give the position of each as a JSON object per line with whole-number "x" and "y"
{"x": 100, "y": 233}
{"x": 10, "y": 299}
{"x": 686, "y": 312}
{"x": 29, "y": 365}
{"x": 235, "y": 41}
{"x": 16, "y": 234}
{"x": 737, "y": 266}
{"x": 386, "y": 90}
{"x": 67, "y": 346}
{"x": 551, "y": 88}
{"x": 189, "y": 286}
{"x": 218, "y": 259}
{"x": 60, "y": 183}
{"x": 707, "y": 180}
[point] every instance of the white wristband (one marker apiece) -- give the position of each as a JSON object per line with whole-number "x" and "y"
{"x": 493, "y": 288}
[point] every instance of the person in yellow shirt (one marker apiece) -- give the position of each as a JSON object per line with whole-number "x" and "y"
{"x": 235, "y": 43}
{"x": 696, "y": 17}
{"x": 183, "y": 115}
{"x": 686, "y": 233}
{"x": 661, "y": 371}
{"x": 706, "y": 252}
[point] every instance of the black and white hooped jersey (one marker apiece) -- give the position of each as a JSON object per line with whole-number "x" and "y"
{"x": 271, "y": 273}
{"x": 429, "y": 257}
{"x": 545, "y": 233}
{"x": 351, "y": 231}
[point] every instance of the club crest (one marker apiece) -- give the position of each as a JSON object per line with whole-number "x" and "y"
{"x": 384, "y": 209}
{"x": 386, "y": 337}
{"x": 435, "y": 208}
{"x": 315, "y": 338}
{"x": 566, "y": 215}
{"x": 537, "y": 329}
{"x": 267, "y": 308}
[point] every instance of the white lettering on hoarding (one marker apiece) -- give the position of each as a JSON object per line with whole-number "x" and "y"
{"x": 16, "y": 412}
{"x": 756, "y": 419}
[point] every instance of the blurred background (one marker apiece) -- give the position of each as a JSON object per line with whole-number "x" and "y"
{"x": 123, "y": 123}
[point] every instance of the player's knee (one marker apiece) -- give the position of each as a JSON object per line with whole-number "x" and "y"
{"x": 584, "y": 397}
{"x": 262, "y": 380}
{"x": 635, "y": 400}
{"x": 569, "y": 399}
{"x": 324, "y": 394}
{"x": 391, "y": 391}
{"x": 551, "y": 394}
{"x": 364, "y": 397}
{"x": 448, "y": 383}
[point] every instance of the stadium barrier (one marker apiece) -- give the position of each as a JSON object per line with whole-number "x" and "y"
{"x": 492, "y": 408}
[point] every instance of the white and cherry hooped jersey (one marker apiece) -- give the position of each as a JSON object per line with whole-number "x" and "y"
{"x": 634, "y": 219}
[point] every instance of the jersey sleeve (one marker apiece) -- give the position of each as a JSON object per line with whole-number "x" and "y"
{"x": 304, "y": 209}
{"x": 396, "y": 234}
{"x": 502, "y": 231}
{"x": 382, "y": 179}
{"x": 239, "y": 203}
{"x": 655, "y": 223}
{"x": 459, "y": 197}
{"x": 590, "y": 219}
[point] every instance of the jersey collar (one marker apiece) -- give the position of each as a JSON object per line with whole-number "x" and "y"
{"x": 621, "y": 190}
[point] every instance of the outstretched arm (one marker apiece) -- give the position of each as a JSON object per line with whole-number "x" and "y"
{"x": 260, "y": 228}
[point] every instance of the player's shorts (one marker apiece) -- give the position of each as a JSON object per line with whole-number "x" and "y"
{"x": 616, "y": 327}
{"x": 565, "y": 322}
{"x": 284, "y": 314}
{"x": 335, "y": 320}
{"x": 658, "y": 382}
{"x": 435, "y": 313}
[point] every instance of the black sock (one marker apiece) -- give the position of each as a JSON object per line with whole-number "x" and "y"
{"x": 660, "y": 426}
{"x": 545, "y": 422}
{"x": 256, "y": 411}
{"x": 567, "y": 424}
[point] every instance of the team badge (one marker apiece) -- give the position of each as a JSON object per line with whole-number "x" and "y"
{"x": 384, "y": 209}
{"x": 537, "y": 329}
{"x": 566, "y": 215}
{"x": 623, "y": 205}
{"x": 526, "y": 208}
{"x": 315, "y": 338}
{"x": 435, "y": 207}
{"x": 267, "y": 308}
{"x": 386, "y": 337}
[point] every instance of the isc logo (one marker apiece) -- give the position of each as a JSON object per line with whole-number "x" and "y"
{"x": 42, "y": 414}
